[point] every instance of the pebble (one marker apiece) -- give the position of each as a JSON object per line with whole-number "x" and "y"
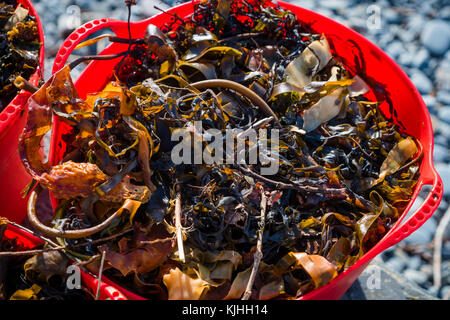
{"x": 148, "y": 7}
{"x": 443, "y": 170}
{"x": 424, "y": 234}
{"x": 444, "y": 292}
{"x": 421, "y": 81}
{"x": 416, "y": 276}
{"x": 436, "y": 37}
{"x": 446, "y": 247}
{"x": 307, "y": 4}
{"x": 420, "y": 59}
{"x": 406, "y": 59}
{"x": 335, "y": 4}
{"x": 391, "y": 16}
{"x": 440, "y": 139}
{"x": 395, "y": 49}
{"x": 430, "y": 101}
{"x": 440, "y": 153}
{"x": 427, "y": 269}
{"x": 416, "y": 205}
{"x": 442, "y": 75}
{"x": 445, "y": 272}
{"x": 433, "y": 291}
{"x": 443, "y": 97}
{"x": 396, "y": 264}
{"x": 385, "y": 39}
{"x": 414, "y": 262}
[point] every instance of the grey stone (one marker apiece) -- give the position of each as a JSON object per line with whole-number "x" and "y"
{"x": 406, "y": 59}
{"x": 391, "y": 16}
{"x": 430, "y": 101}
{"x": 307, "y": 4}
{"x": 444, "y": 292}
{"x": 415, "y": 23}
{"x": 48, "y": 65}
{"x": 421, "y": 58}
{"x": 416, "y": 205}
{"x": 325, "y": 12}
{"x": 445, "y": 272}
{"x": 429, "y": 226}
{"x": 396, "y": 264}
{"x": 401, "y": 254}
{"x": 85, "y": 4}
{"x": 442, "y": 75}
{"x": 395, "y": 49}
{"x": 148, "y": 7}
{"x": 440, "y": 153}
{"x": 446, "y": 248}
{"x": 414, "y": 262}
{"x": 335, "y": 4}
{"x": 442, "y": 127}
{"x": 443, "y": 97}
{"x": 433, "y": 291}
{"x": 421, "y": 81}
{"x": 444, "y": 171}
{"x": 440, "y": 139}
{"x": 171, "y": 2}
{"x": 436, "y": 37}
{"x": 424, "y": 234}
{"x": 64, "y": 23}
{"x": 385, "y": 39}
{"x": 427, "y": 269}
{"x": 416, "y": 276}
{"x": 444, "y": 13}
{"x": 359, "y": 24}
{"x": 379, "y": 282}
{"x": 406, "y": 36}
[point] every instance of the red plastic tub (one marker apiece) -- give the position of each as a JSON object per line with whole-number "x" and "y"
{"x": 388, "y": 83}
{"x": 27, "y": 241}
{"x": 13, "y": 176}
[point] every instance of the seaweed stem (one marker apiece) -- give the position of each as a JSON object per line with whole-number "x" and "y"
{"x": 102, "y": 262}
{"x": 179, "y": 227}
{"x": 258, "y": 253}
{"x": 222, "y": 83}
{"x": 24, "y": 84}
{"x": 69, "y": 234}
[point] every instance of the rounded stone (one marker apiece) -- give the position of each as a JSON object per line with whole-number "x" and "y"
{"x": 436, "y": 37}
{"x": 421, "y": 81}
{"x": 416, "y": 276}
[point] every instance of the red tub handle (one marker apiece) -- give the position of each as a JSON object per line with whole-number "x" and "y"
{"x": 422, "y": 214}
{"x": 107, "y": 292}
{"x": 120, "y": 28}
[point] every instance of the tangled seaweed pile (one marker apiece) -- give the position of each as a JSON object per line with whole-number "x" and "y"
{"x": 41, "y": 277}
{"x": 221, "y": 230}
{"x": 19, "y": 48}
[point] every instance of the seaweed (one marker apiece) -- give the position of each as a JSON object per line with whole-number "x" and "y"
{"x": 19, "y": 48}
{"x": 228, "y": 226}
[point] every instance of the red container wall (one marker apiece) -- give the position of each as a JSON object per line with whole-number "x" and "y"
{"x": 13, "y": 177}
{"x": 401, "y": 102}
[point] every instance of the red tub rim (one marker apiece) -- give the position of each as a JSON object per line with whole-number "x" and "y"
{"x": 428, "y": 174}
{"x": 10, "y": 113}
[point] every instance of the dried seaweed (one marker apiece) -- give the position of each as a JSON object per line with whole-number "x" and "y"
{"x": 41, "y": 277}
{"x": 19, "y": 48}
{"x": 345, "y": 173}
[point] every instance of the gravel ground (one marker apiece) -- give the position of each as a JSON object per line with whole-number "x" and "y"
{"x": 416, "y": 34}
